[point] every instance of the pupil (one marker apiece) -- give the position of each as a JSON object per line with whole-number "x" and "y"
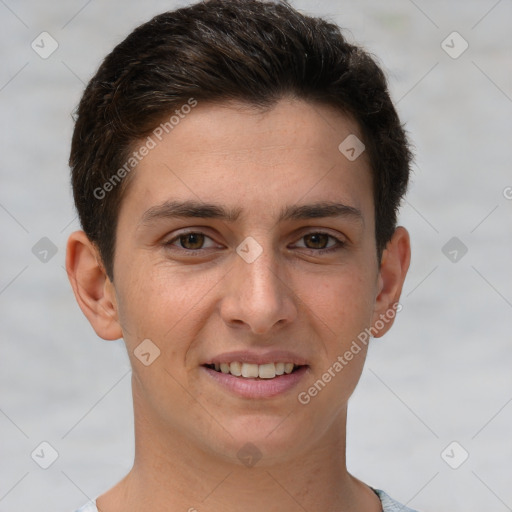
{"x": 323, "y": 238}
{"x": 195, "y": 238}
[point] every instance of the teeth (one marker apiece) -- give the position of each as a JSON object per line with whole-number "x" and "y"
{"x": 279, "y": 368}
{"x": 249, "y": 370}
{"x": 235, "y": 368}
{"x": 267, "y": 371}
{"x": 252, "y": 371}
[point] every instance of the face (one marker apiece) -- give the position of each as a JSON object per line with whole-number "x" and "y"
{"x": 246, "y": 240}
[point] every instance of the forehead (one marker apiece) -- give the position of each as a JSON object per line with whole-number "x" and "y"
{"x": 235, "y": 153}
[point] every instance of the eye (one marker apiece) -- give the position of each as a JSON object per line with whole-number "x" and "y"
{"x": 193, "y": 241}
{"x": 190, "y": 241}
{"x": 319, "y": 239}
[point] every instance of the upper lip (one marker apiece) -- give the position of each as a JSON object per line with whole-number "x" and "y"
{"x": 251, "y": 357}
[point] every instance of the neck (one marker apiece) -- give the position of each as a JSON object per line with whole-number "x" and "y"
{"x": 171, "y": 473}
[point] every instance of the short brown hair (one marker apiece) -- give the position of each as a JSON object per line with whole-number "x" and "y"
{"x": 219, "y": 50}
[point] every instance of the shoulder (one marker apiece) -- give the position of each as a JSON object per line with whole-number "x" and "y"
{"x": 89, "y": 507}
{"x": 389, "y": 504}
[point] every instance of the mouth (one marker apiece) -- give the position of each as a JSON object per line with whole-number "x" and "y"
{"x": 251, "y": 380}
{"x": 253, "y": 371}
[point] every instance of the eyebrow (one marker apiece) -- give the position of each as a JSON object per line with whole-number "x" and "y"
{"x": 198, "y": 209}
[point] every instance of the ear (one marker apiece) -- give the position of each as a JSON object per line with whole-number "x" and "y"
{"x": 393, "y": 269}
{"x": 94, "y": 291}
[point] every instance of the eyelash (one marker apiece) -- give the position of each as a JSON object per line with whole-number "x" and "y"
{"x": 339, "y": 243}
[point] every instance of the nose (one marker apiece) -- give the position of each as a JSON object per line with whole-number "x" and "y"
{"x": 258, "y": 294}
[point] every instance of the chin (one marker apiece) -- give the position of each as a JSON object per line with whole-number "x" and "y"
{"x": 263, "y": 440}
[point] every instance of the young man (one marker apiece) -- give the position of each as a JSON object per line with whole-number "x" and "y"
{"x": 237, "y": 168}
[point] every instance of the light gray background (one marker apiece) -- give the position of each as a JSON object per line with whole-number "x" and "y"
{"x": 442, "y": 374}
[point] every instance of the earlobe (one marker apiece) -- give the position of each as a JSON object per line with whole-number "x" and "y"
{"x": 393, "y": 269}
{"x": 93, "y": 289}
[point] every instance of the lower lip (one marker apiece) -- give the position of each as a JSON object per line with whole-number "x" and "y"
{"x": 258, "y": 388}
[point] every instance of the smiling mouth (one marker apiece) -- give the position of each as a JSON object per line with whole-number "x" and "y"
{"x": 254, "y": 371}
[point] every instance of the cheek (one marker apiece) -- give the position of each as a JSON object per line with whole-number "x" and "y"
{"x": 342, "y": 302}
{"x": 161, "y": 302}
{"x": 341, "y": 307}
{"x": 142, "y": 302}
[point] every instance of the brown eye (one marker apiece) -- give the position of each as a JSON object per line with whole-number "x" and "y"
{"x": 192, "y": 241}
{"x": 317, "y": 243}
{"x": 318, "y": 240}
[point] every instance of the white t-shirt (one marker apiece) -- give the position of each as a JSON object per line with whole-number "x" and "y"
{"x": 388, "y": 504}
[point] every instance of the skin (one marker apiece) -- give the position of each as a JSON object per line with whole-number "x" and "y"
{"x": 188, "y": 429}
